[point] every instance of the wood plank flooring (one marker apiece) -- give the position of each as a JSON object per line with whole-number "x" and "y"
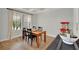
{"x": 19, "y": 44}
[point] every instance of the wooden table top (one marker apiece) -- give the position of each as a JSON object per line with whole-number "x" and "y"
{"x": 38, "y": 32}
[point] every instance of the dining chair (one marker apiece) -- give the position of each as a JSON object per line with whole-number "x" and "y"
{"x": 34, "y": 27}
{"x": 30, "y": 35}
{"x": 40, "y": 29}
{"x": 24, "y": 34}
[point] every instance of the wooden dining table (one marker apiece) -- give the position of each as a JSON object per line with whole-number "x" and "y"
{"x": 38, "y": 34}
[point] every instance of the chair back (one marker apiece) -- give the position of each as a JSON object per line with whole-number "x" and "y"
{"x": 29, "y": 31}
{"x": 34, "y": 27}
{"x": 24, "y": 32}
{"x": 40, "y": 29}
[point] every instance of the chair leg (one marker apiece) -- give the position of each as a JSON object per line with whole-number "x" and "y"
{"x": 22, "y": 36}
{"x": 31, "y": 41}
{"x": 28, "y": 40}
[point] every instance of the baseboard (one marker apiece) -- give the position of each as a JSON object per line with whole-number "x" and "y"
{"x": 1, "y": 40}
{"x": 16, "y": 36}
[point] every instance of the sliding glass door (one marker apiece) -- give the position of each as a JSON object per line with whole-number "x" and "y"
{"x": 27, "y": 21}
{"x": 16, "y": 22}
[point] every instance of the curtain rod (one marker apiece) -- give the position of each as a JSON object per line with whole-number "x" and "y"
{"x": 19, "y": 11}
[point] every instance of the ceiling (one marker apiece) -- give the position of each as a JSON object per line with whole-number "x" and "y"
{"x": 35, "y": 10}
{"x": 32, "y": 10}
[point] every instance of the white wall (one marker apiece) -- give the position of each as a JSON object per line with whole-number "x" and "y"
{"x": 50, "y": 20}
{"x": 4, "y": 24}
{"x": 75, "y": 21}
{"x": 34, "y": 20}
{"x": 0, "y": 23}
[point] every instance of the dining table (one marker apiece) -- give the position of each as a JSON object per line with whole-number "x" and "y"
{"x": 38, "y": 34}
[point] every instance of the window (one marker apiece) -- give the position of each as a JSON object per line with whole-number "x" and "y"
{"x": 27, "y": 21}
{"x": 16, "y": 21}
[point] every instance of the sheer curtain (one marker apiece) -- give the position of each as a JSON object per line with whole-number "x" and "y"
{"x": 16, "y": 22}
{"x": 10, "y": 22}
{"x": 27, "y": 21}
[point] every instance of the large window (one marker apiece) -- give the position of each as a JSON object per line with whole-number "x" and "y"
{"x": 16, "y": 21}
{"x": 27, "y": 21}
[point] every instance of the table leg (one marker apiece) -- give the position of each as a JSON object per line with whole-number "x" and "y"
{"x": 37, "y": 41}
{"x": 45, "y": 37}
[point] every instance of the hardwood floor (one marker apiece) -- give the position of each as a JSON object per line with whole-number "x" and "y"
{"x": 19, "y": 44}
